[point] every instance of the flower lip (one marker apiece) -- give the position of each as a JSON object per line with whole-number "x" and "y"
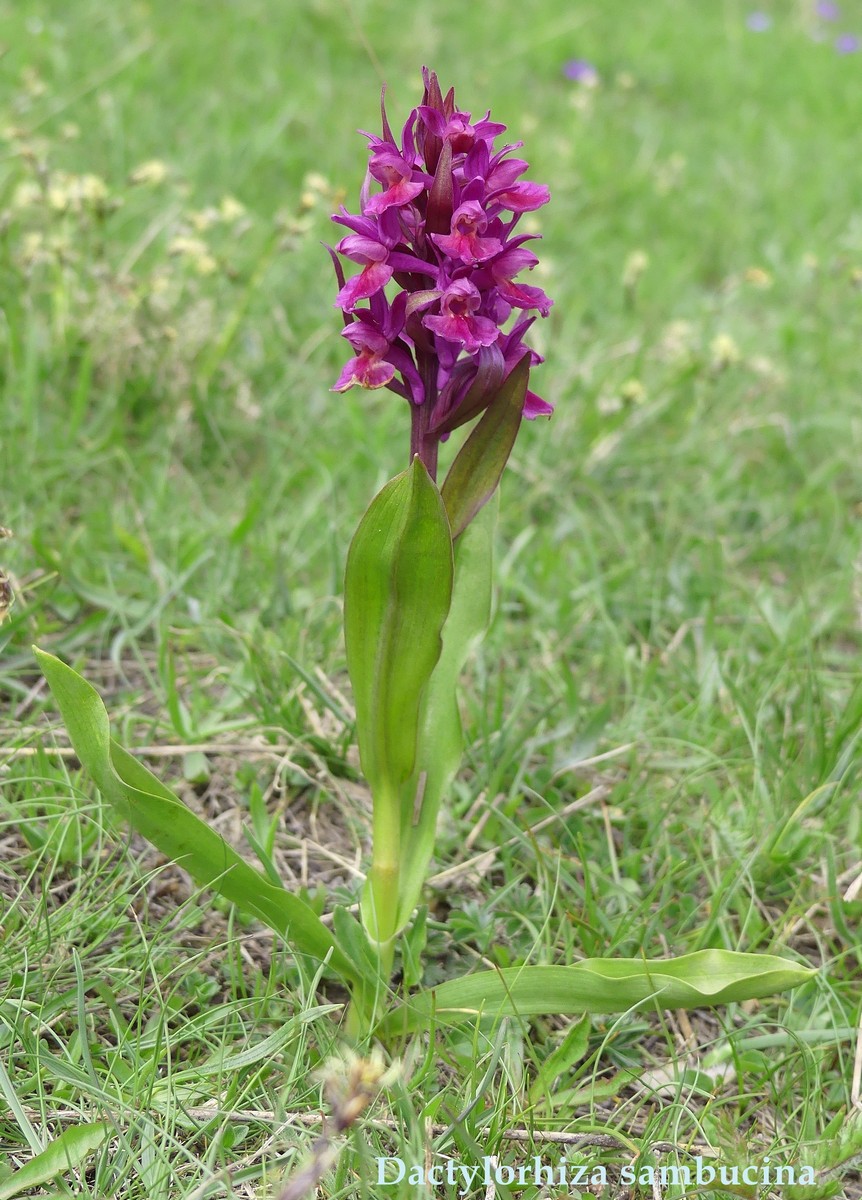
{"x": 458, "y": 320}
{"x": 464, "y": 241}
{"x": 396, "y": 174}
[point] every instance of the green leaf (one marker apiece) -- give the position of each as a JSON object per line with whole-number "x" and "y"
{"x": 476, "y": 471}
{"x": 560, "y": 1061}
{"x": 705, "y": 978}
{"x": 156, "y": 813}
{"x": 439, "y": 748}
{"x": 412, "y": 948}
{"x": 397, "y": 591}
{"x": 63, "y": 1154}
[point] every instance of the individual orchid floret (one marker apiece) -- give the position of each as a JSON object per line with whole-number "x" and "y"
{"x": 375, "y": 274}
{"x": 521, "y": 197}
{"x": 469, "y": 222}
{"x": 396, "y": 174}
{"x": 457, "y": 130}
{"x": 368, "y": 369}
{"x": 459, "y": 321}
{"x": 503, "y": 270}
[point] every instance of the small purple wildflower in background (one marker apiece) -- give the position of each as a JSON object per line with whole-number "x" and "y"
{"x": 581, "y": 71}
{"x": 827, "y": 10}
{"x": 847, "y": 43}
{"x": 442, "y": 229}
{"x": 759, "y": 22}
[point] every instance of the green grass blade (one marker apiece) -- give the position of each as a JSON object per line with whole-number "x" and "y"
{"x": 63, "y": 1154}
{"x": 705, "y": 978}
{"x": 156, "y": 813}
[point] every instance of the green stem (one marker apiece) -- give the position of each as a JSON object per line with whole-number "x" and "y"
{"x": 384, "y": 876}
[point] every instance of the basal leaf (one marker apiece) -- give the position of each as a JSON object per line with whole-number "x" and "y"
{"x": 156, "y": 813}
{"x": 705, "y": 978}
{"x": 67, "y": 1151}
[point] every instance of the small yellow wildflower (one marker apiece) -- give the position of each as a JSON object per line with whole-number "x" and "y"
{"x": 204, "y": 264}
{"x": 187, "y": 247}
{"x": 59, "y": 197}
{"x": 723, "y": 351}
{"x": 160, "y": 282}
{"x": 307, "y": 200}
{"x": 34, "y": 84}
{"x": 71, "y": 193}
{"x": 758, "y": 278}
{"x": 204, "y": 219}
{"x": 195, "y": 251}
{"x": 91, "y": 189}
{"x": 231, "y": 209}
{"x": 635, "y": 265}
{"x": 633, "y": 392}
{"x": 677, "y": 341}
{"x": 33, "y": 249}
{"x": 151, "y": 172}
{"x": 69, "y": 131}
{"x": 27, "y": 195}
{"x": 316, "y": 182}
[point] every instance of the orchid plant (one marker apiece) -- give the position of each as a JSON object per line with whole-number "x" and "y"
{"x": 437, "y": 315}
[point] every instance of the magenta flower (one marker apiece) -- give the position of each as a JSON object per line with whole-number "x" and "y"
{"x": 456, "y": 128}
{"x": 376, "y": 270}
{"x": 503, "y": 270}
{"x": 465, "y": 241}
{"x": 428, "y": 314}
{"x": 459, "y": 320}
{"x": 369, "y": 368}
{"x": 396, "y": 174}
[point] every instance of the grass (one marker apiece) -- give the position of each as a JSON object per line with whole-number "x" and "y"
{"x": 678, "y": 581}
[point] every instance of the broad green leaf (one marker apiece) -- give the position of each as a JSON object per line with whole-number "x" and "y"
{"x": 156, "y": 813}
{"x": 397, "y": 591}
{"x": 705, "y": 978}
{"x": 439, "y": 748}
{"x": 64, "y": 1153}
{"x": 476, "y": 471}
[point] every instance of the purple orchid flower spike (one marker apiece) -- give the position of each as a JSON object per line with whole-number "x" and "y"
{"x": 429, "y": 314}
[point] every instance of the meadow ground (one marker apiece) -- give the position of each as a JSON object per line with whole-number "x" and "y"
{"x": 678, "y": 619}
